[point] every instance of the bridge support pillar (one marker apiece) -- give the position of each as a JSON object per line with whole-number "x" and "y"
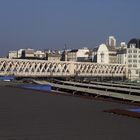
{"x": 72, "y": 69}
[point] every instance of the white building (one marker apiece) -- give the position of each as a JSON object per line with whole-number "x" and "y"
{"x": 28, "y": 53}
{"x": 19, "y": 53}
{"x": 93, "y": 55}
{"x": 111, "y": 41}
{"x": 79, "y": 55}
{"x": 123, "y": 45}
{"x": 53, "y": 57}
{"x": 106, "y": 54}
{"x": 12, "y": 54}
{"x": 64, "y": 56}
{"x": 39, "y": 54}
{"x": 15, "y": 53}
{"x": 133, "y": 59}
{"x": 122, "y": 56}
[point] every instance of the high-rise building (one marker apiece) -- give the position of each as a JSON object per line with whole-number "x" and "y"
{"x": 111, "y": 41}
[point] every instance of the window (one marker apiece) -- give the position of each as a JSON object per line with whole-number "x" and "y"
{"x": 135, "y": 56}
{"x": 135, "y": 51}
{"x": 135, "y": 61}
{"x": 102, "y": 57}
{"x": 132, "y": 45}
{"x": 129, "y": 51}
{"x": 137, "y": 71}
{"x": 135, "y": 65}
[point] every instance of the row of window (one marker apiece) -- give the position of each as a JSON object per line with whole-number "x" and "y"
{"x": 134, "y": 56}
{"x": 134, "y": 65}
{"x": 134, "y": 61}
{"x": 133, "y": 51}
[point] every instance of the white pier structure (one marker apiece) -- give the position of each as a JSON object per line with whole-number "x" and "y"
{"x": 43, "y": 68}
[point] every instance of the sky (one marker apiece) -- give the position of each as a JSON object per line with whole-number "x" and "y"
{"x": 50, "y": 24}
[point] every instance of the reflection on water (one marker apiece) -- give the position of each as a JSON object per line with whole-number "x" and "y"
{"x": 134, "y": 110}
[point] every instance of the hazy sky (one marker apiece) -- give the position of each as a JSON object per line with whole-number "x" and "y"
{"x": 49, "y": 24}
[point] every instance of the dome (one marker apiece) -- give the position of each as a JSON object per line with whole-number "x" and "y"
{"x": 134, "y": 41}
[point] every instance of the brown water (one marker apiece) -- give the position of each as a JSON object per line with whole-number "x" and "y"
{"x": 34, "y": 115}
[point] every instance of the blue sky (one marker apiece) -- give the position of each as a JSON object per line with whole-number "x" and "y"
{"x": 49, "y": 24}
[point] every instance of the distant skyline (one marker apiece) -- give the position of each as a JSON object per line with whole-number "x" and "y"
{"x": 49, "y": 24}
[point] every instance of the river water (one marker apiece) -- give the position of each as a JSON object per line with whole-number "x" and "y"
{"x": 34, "y": 115}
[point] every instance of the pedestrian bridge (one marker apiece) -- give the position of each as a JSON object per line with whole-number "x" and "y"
{"x": 43, "y": 68}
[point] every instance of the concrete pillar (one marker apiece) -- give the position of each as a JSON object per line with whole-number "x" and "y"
{"x": 72, "y": 68}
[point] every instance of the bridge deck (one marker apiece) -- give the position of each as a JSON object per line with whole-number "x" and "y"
{"x": 106, "y": 88}
{"x": 122, "y": 85}
{"x": 133, "y": 98}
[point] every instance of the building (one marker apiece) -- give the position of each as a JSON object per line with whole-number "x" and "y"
{"x": 106, "y": 54}
{"x": 53, "y": 57}
{"x": 133, "y": 59}
{"x": 93, "y": 56}
{"x": 122, "y": 56}
{"x": 16, "y": 54}
{"x": 78, "y": 55}
{"x": 64, "y": 56}
{"x": 20, "y": 53}
{"x": 123, "y": 45}
{"x": 28, "y": 53}
{"x": 12, "y": 54}
{"x": 122, "y": 53}
{"x": 111, "y": 41}
{"x": 39, "y": 55}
